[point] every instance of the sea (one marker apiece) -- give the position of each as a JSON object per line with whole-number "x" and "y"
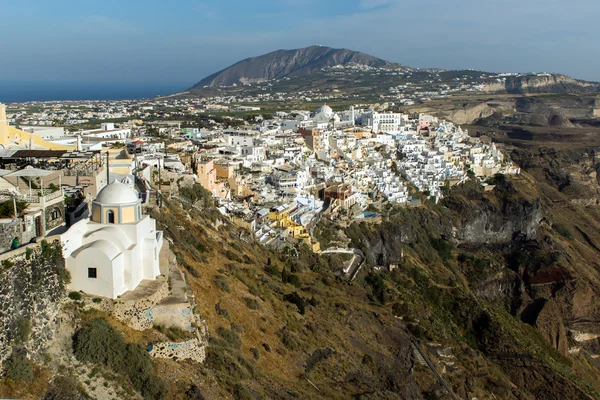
{"x": 24, "y": 91}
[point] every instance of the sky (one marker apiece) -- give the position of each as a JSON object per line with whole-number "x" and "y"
{"x": 182, "y": 41}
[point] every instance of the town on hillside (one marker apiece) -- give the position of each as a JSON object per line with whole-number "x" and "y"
{"x": 275, "y": 175}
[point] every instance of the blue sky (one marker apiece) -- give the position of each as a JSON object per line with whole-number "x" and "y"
{"x": 182, "y": 41}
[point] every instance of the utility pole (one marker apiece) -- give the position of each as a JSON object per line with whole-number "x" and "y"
{"x": 158, "y": 194}
{"x": 107, "y": 169}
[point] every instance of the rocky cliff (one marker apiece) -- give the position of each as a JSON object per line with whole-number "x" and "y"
{"x": 550, "y": 83}
{"x": 526, "y": 256}
{"x": 551, "y": 110}
{"x": 499, "y": 219}
{"x": 32, "y": 286}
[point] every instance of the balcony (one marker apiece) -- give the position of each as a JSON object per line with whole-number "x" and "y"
{"x": 34, "y": 197}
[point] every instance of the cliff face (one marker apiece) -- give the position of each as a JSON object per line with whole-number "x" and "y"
{"x": 535, "y": 287}
{"x": 496, "y": 219}
{"x": 554, "y": 83}
{"x": 559, "y": 110}
{"x": 288, "y": 63}
{"x": 32, "y": 285}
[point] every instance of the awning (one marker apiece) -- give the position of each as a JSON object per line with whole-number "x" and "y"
{"x": 30, "y": 172}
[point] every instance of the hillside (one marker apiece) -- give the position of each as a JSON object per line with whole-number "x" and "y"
{"x": 499, "y": 289}
{"x": 289, "y": 63}
{"x": 324, "y": 73}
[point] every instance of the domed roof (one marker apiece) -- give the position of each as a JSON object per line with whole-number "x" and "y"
{"x": 325, "y": 109}
{"x": 117, "y": 193}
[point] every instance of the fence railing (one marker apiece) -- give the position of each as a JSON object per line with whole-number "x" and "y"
{"x": 36, "y": 196}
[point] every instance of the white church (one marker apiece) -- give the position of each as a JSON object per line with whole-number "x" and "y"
{"x": 116, "y": 249}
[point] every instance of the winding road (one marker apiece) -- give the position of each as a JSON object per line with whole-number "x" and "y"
{"x": 358, "y": 260}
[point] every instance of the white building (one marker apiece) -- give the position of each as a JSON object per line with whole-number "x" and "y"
{"x": 114, "y": 251}
{"x": 385, "y": 122}
{"x": 253, "y": 153}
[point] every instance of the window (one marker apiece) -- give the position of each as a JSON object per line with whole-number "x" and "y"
{"x": 55, "y": 214}
{"x": 110, "y": 216}
{"x": 92, "y": 273}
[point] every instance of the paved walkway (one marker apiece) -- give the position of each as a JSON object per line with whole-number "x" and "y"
{"x": 177, "y": 281}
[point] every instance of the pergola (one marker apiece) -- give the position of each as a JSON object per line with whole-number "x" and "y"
{"x": 30, "y": 173}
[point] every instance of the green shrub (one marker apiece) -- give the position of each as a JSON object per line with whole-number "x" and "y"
{"x": 222, "y": 284}
{"x": 562, "y": 230}
{"x": 22, "y": 330}
{"x": 174, "y": 333}
{"x": 288, "y": 277}
{"x": 252, "y": 303}
{"x": 7, "y": 208}
{"x": 191, "y": 270}
{"x": 295, "y": 280}
{"x": 272, "y": 270}
{"x": 98, "y": 342}
{"x": 64, "y": 388}
{"x": 290, "y": 340}
{"x": 296, "y": 299}
{"x": 76, "y": 296}
{"x": 443, "y": 247}
{"x": 255, "y": 353}
{"x": 221, "y": 312}
{"x": 7, "y": 264}
{"x": 194, "y": 393}
{"x": 18, "y": 368}
{"x": 378, "y": 286}
{"x": 232, "y": 256}
{"x": 242, "y": 393}
{"x": 230, "y": 337}
{"x": 228, "y": 364}
{"x": 97, "y": 300}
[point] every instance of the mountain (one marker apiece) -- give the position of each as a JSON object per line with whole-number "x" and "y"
{"x": 289, "y": 63}
{"x": 342, "y": 74}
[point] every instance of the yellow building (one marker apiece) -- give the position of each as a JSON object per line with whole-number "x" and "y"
{"x": 224, "y": 171}
{"x": 207, "y": 174}
{"x": 10, "y": 136}
{"x": 280, "y": 213}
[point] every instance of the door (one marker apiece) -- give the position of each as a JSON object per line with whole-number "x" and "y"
{"x": 39, "y": 227}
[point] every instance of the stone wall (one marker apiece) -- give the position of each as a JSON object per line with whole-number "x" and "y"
{"x": 173, "y": 315}
{"x": 192, "y": 350}
{"x": 53, "y": 220}
{"x": 24, "y": 230}
{"x": 137, "y": 313}
{"x": 8, "y": 231}
{"x": 32, "y": 288}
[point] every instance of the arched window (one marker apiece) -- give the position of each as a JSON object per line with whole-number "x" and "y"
{"x": 110, "y": 216}
{"x": 55, "y": 214}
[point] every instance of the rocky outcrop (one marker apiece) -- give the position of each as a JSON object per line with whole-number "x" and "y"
{"x": 467, "y": 112}
{"x": 547, "y": 83}
{"x": 546, "y": 317}
{"x": 560, "y": 110}
{"x": 381, "y": 243}
{"x": 489, "y": 227}
{"x": 504, "y": 285}
{"x": 499, "y": 218}
{"x": 32, "y": 287}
